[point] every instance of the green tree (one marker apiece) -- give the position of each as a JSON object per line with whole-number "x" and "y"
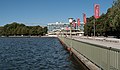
{"x": 21, "y": 29}
{"x": 108, "y": 24}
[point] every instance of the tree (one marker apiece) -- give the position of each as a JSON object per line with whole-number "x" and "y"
{"x": 21, "y": 29}
{"x": 108, "y": 24}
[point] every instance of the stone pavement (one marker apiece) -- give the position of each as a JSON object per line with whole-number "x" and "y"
{"x": 108, "y": 42}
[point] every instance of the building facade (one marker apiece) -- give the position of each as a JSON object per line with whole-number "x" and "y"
{"x": 64, "y": 26}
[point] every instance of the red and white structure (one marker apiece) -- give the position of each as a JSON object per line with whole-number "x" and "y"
{"x": 84, "y": 18}
{"x": 96, "y": 11}
{"x": 78, "y": 22}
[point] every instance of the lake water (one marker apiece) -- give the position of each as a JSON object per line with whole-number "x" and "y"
{"x": 34, "y": 54}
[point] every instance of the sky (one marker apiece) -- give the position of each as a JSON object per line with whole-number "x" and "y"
{"x": 42, "y": 12}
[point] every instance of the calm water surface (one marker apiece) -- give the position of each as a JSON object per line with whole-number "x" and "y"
{"x": 34, "y": 54}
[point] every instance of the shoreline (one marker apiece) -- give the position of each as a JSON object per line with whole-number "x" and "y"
{"x": 18, "y": 36}
{"x": 25, "y": 36}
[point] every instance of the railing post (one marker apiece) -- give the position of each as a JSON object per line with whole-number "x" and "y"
{"x": 71, "y": 43}
{"x": 108, "y": 58}
{"x": 119, "y": 60}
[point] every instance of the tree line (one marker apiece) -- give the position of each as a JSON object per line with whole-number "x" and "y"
{"x": 18, "y": 29}
{"x": 107, "y": 25}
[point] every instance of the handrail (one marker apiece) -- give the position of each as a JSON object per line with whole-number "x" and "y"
{"x": 107, "y": 58}
{"x": 104, "y": 47}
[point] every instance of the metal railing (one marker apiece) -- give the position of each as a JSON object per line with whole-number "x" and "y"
{"x": 106, "y": 58}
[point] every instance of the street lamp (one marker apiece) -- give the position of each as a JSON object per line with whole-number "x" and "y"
{"x": 70, "y": 21}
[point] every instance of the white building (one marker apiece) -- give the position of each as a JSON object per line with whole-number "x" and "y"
{"x": 63, "y": 26}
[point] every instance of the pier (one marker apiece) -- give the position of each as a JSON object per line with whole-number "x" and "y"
{"x": 94, "y": 52}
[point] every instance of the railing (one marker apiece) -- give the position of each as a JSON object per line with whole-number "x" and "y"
{"x": 106, "y": 58}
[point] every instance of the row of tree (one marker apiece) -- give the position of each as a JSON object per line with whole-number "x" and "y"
{"x": 107, "y": 25}
{"x": 21, "y": 29}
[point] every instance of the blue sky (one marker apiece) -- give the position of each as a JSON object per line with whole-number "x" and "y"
{"x": 42, "y": 12}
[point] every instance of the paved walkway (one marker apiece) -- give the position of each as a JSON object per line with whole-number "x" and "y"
{"x": 108, "y": 42}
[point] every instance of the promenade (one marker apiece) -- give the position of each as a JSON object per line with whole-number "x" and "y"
{"x": 97, "y": 53}
{"x": 103, "y": 41}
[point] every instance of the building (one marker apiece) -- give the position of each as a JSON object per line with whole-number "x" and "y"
{"x": 59, "y": 26}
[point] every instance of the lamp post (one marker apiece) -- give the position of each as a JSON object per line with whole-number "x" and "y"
{"x": 70, "y": 21}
